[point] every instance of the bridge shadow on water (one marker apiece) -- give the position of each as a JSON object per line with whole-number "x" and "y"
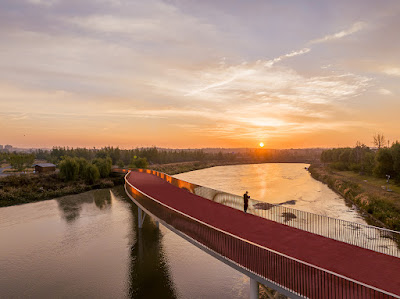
{"x": 149, "y": 272}
{"x": 148, "y": 275}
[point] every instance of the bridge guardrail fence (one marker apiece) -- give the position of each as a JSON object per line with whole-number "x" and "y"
{"x": 289, "y": 273}
{"x": 366, "y": 236}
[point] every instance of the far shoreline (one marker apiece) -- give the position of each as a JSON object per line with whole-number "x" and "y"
{"x": 29, "y": 188}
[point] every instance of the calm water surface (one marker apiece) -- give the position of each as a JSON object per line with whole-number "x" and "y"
{"x": 88, "y": 245}
{"x": 276, "y": 183}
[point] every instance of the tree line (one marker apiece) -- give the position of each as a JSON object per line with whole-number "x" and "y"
{"x": 124, "y": 158}
{"x": 18, "y": 161}
{"x": 379, "y": 162}
{"x": 141, "y": 157}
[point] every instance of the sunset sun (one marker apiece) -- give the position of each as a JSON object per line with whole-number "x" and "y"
{"x": 261, "y": 144}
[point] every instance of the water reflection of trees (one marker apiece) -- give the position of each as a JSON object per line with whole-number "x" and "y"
{"x": 149, "y": 273}
{"x": 71, "y": 206}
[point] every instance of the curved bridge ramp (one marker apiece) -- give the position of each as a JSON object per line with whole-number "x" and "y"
{"x": 299, "y": 262}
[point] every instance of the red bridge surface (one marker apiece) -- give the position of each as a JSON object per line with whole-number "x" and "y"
{"x": 363, "y": 265}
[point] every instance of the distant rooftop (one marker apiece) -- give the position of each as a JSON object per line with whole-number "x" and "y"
{"x": 45, "y": 165}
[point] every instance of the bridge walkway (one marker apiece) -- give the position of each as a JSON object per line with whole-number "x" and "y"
{"x": 363, "y": 265}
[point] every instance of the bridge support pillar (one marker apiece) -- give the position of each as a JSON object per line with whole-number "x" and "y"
{"x": 253, "y": 289}
{"x": 141, "y": 216}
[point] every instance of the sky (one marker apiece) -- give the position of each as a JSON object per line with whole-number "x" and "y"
{"x": 193, "y": 74}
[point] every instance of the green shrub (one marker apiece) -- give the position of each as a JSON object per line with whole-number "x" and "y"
{"x": 139, "y": 163}
{"x": 21, "y": 161}
{"x": 104, "y": 165}
{"x": 92, "y": 173}
{"x": 341, "y": 166}
{"x": 355, "y": 167}
{"x": 83, "y": 164}
{"x": 69, "y": 169}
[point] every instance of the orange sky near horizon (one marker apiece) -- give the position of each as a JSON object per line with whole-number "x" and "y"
{"x": 198, "y": 74}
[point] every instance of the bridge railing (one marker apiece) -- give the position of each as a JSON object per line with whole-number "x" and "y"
{"x": 366, "y": 236}
{"x": 294, "y": 275}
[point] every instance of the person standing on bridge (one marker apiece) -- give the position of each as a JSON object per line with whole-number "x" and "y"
{"x": 246, "y": 197}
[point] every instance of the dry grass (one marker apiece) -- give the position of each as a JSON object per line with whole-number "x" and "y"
{"x": 380, "y": 207}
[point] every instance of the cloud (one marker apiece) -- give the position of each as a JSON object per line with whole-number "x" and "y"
{"x": 385, "y": 92}
{"x": 157, "y": 62}
{"x": 241, "y": 73}
{"x": 270, "y": 63}
{"x": 392, "y": 71}
{"x": 255, "y": 82}
{"x": 113, "y": 24}
{"x": 353, "y": 29}
{"x": 43, "y": 2}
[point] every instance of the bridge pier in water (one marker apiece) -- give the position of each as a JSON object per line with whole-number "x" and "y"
{"x": 254, "y": 292}
{"x": 141, "y": 215}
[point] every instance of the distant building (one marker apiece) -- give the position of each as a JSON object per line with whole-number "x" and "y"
{"x": 44, "y": 168}
{"x": 8, "y": 148}
{"x": 1, "y": 148}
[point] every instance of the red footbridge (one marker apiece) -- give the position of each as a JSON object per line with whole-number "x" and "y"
{"x": 298, "y": 254}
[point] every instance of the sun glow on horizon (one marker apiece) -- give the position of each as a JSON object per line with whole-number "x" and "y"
{"x": 261, "y": 144}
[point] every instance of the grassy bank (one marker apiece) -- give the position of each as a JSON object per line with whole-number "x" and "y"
{"x": 20, "y": 189}
{"x": 379, "y": 207}
{"x": 26, "y": 188}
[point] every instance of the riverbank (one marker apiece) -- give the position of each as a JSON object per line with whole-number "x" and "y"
{"x": 378, "y": 206}
{"x": 26, "y": 188}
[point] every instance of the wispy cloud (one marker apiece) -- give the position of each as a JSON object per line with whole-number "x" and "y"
{"x": 385, "y": 92}
{"x": 154, "y": 64}
{"x": 243, "y": 72}
{"x": 392, "y": 71}
{"x": 353, "y": 29}
{"x": 303, "y": 51}
{"x": 269, "y": 63}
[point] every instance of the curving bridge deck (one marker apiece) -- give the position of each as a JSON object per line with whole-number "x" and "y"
{"x": 297, "y": 262}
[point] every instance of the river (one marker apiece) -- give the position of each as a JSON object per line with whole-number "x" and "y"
{"x": 88, "y": 245}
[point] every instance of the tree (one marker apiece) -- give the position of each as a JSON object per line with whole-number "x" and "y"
{"x": 104, "y": 166}
{"x": 368, "y": 162}
{"x": 21, "y": 161}
{"x": 379, "y": 140}
{"x": 83, "y": 164}
{"x": 141, "y": 163}
{"x": 69, "y": 169}
{"x": 345, "y": 155}
{"x": 92, "y": 173}
{"x": 395, "y": 149}
{"x": 138, "y": 163}
{"x": 384, "y": 162}
{"x": 16, "y": 161}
